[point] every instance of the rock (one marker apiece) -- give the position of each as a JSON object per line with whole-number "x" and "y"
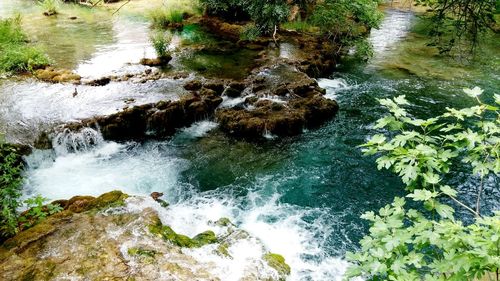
{"x": 193, "y": 85}
{"x": 298, "y": 103}
{"x": 156, "y": 120}
{"x": 200, "y": 240}
{"x": 99, "y": 82}
{"x": 122, "y": 243}
{"x": 216, "y": 86}
{"x": 221, "y": 28}
{"x": 156, "y": 62}
{"x": 277, "y": 262}
{"x": 50, "y": 74}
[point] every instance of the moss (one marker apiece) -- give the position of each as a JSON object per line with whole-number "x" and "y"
{"x": 277, "y": 262}
{"x": 141, "y": 252}
{"x": 168, "y": 234}
{"x": 204, "y": 238}
{"x": 223, "y": 250}
{"x": 145, "y": 255}
{"x": 24, "y": 238}
{"x": 224, "y": 222}
{"x": 111, "y": 199}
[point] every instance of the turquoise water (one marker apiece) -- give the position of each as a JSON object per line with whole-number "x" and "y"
{"x": 301, "y": 196}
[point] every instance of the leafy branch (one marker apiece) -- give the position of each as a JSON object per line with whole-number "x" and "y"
{"x": 415, "y": 244}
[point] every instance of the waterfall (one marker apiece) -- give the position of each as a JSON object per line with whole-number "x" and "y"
{"x": 69, "y": 141}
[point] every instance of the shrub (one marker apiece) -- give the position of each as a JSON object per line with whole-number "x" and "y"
{"x": 266, "y": 14}
{"x": 162, "y": 18}
{"x": 161, "y": 41}
{"x": 10, "y": 189}
{"x": 15, "y": 53}
{"x": 430, "y": 243}
{"x": 11, "y": 182}
{"x": 250, "y": 32}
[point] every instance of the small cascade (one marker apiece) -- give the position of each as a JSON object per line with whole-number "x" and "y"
{"x": 67, "y": 141}
{"x": 333, "y": 86}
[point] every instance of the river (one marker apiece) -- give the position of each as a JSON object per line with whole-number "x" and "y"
{"x": 302, "y": 196}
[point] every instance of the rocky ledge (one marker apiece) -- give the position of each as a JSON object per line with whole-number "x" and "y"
{"x": 121, "y": 237}
{"x": 279, "y": 97}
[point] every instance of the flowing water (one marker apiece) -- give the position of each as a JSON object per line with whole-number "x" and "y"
{"x": 301, "y": 196}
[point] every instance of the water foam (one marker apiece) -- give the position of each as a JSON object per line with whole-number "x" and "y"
{"x": 333, "y": 86}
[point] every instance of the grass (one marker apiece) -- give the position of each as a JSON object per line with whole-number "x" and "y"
{"x": 49, "y": 6}
{"x": 16, "y": 54}
{"x": 300, "y": 26}
{"x": 163, "y": 18}
{"x": 173, "y": 12}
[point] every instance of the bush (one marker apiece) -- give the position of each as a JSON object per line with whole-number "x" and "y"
{"x": 161, "y": 41}
{"x": 11, "y": 182}
{"x": 162, "y": 18}
{"x": 15, "y": 53}
{"x": 430, "y": 243}
{"x": 10, "y": 189}
{"x": 266, "y": 14}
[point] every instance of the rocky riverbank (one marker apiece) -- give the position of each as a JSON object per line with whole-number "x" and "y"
{"x": 279, "y": 96}
{"x": 121, "y": 237}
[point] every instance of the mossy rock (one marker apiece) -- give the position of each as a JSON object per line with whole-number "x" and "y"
{"x": 277, "y": 262}
{"x": 223, "y": 250}
{"x": 111, "y": 199}
{"x": 224, "y": 222}
{"x": 204, "y": 238}
{"x": 168, "y": 234}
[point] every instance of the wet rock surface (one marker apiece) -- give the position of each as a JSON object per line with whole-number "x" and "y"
{"x": 54, "y": 75}
{"x": 153, "y": 120}
{"x": 278, "y": 101}
{"x": 116, "y": 237}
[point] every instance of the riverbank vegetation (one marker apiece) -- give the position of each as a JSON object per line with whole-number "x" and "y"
{"x": 11, "y": 182}
{"x": 16, "y": 54}
{"x": 457, "y": 26}
{"x": 427, "y": 241}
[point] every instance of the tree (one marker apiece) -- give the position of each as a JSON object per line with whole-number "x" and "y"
{"x": 429, "y": 243}
{"x": 459, "y": 24}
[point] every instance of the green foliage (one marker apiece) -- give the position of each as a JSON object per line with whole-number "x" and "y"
{"x": 36, "y": 212}
{"x": 250, "y": 32}
{"x": 459, "y": 24}
{"x": 11, "y": 182}
{"x": 348, "y": 22}
{"x": 346, "y": 17}
{"x": 408, "y": 245}
{"x": 163, "y": 18}
{"x": 300, "y": 26}
{"x": 405, "y": 245}
{"x": 160, "y": 41}
{"x": 15, "y": 54}
{"x": 266, "y": 14}
{"x": 10, "y": 189}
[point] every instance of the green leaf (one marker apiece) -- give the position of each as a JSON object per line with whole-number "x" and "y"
{"x": 474, "y": 93}
{"x": 444, "y": 211}
{"x": 401, "y": 100}
{"x": 446, "y": 189}
{"x": 422, "y": 195}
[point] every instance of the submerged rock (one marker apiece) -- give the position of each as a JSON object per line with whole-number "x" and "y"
{"x": 114, "y": 238}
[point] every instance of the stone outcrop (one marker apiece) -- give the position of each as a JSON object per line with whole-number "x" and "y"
{"x": 117, "y": 237}
{"x": 54, "y": 75}
{"x": 278, "y": 101}
{"x": 154, "y": 120}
